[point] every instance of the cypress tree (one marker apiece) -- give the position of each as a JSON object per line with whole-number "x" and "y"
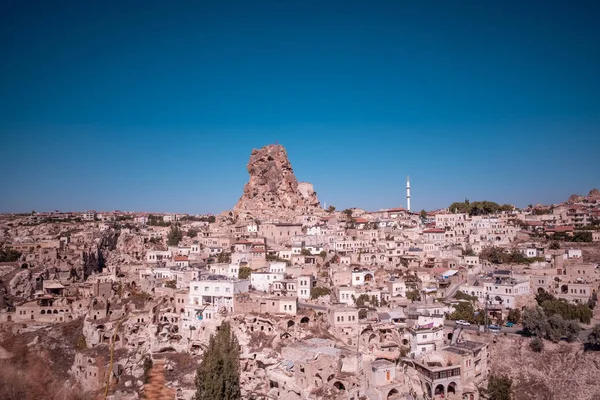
{"x": 218, "y": 375}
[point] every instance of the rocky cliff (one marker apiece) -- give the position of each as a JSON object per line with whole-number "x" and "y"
{"x": 273, "y": 189}
{"x": 560, "y": 371}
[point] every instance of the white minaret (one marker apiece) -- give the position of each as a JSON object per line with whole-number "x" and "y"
{"x": 408, "y": 193}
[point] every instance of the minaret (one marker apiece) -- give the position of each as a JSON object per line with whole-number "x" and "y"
{"x": 408, "y": 193}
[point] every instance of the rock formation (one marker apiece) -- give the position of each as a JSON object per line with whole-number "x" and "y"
{"x": 594, "y": 193}
{"x": 22, "y": 285}
{"x": 273, "y": 190}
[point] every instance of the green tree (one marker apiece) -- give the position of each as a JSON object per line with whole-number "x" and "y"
{"x": 9, "y": 255}
{"x": 361, "y": 300}
{"x": 413, "y": 295}
{"x": 305, "y": 252}
{"x": 514, "y": 316}
{"x": 374, "y": 301}
{"x": 493, "y": 254}
{"x": 218, "y": 375}
{"x": 244, "y": 272}
{"x": 498, "y": 388}
{"x": 348, "y": 213}
{"x": 323, "y": 255}
{"x": 224, "y": 257}
{"x": 362, "y": 313}
{"x": 330, "y": 209}
{"x": 535, "y": 322}
{"x": 554, "y": 246}
{"x": 423, "y": 214}
{"x": 542, "y": 296}
{"x": 460, "y": 295}
{"x": 593, "y": 339}
{"x": 192, "y": 233}
{"x": 175, "y": 235}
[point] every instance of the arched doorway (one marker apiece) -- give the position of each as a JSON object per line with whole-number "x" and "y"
{"x": 339, "y": 385}
{"x": 393, "y": 393}
{"x": 452, "y": 388}
{"x": 450, "y": 336}
{"x": 439, "y": 390}
{"x": 428, "y": 389}
{"x": 304, "y": 320}
{"x": 368, "y": 278}
{"x": 290, "y": 323}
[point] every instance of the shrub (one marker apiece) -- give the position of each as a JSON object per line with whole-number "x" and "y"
{"x": 244, "y": 272}
{"x": 317, "y": 292}
{"x": 537, "y": 345}
{"x": 80, "y": 343}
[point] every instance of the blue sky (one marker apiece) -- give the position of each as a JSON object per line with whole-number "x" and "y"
{"x": 149, "y": 105}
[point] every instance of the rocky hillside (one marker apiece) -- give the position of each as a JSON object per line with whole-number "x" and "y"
{"x": 562, "y": 371}
{"x": 272, "y": 187}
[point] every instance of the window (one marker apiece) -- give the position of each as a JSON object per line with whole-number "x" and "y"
{"x": 227, "y": 290}
{"x": 206, "y": 288}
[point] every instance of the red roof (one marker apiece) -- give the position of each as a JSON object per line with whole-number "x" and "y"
{"x": 361, "y": 220}
{"x": 181, "y": 258}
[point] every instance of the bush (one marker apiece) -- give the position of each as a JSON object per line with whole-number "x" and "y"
{"x": 192, "y": 233}
{"x": 244, "y": 272}
{"x": 9, "y": 255}
{"x": 593, "y": 339}
{"x": 537, "y": 345}
{"x": 460, "y": 295}
{"x": 317, "y": 292}
{"x": 499, "y": 388}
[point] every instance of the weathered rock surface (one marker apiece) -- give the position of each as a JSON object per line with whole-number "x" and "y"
{"x": 272, "y": 187}
{"x": 561, "y": 371}
{"x": 594, "y": 193}
{"x": 22, "y": 284}
{"x": 129, "y": 249}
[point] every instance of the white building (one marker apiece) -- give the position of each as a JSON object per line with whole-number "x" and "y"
{"x": 228, "y": 270}
{"x": 277, "y": 267}
{"x": 263, "y": 280}
{"x": 210, "y": 298}
{"x": 155, "y": 256}
{"x": 305, "y": 284}
{"x": 362, "y": 277}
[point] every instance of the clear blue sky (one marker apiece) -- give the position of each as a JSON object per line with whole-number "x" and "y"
{"x": 156, "y": 105}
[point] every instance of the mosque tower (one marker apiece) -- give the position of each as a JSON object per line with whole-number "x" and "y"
{"x": 408, "y": 193}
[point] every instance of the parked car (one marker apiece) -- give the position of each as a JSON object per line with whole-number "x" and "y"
{"x": 463, "y": 322}
{"x": 509, "y": 324}
{"x": 494, "y": 328}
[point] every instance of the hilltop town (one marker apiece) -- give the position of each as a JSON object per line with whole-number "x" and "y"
{"x": 325, "y": 303}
